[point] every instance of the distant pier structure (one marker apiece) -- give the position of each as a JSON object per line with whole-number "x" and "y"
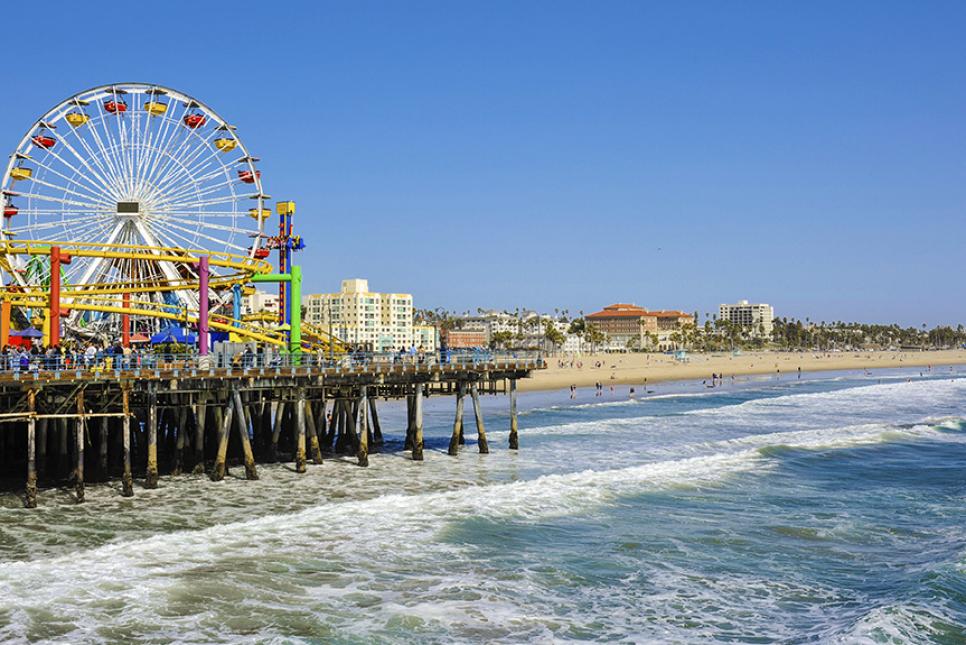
{"x": 137, "y": 424}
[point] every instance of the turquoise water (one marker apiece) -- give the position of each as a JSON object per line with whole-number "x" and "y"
{"x": 830, "y": 509}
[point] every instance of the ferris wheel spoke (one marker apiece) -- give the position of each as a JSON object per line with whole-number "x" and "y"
{"x": 198, "y": 233}
{"x": 55, "y": 155}
{"x": 103, "y": 164}
{"x": 105, "y": 184}
{"x": 64, "y": 189}
{"x": 202, "y": 187}
{"x": 211, "y": 225}
{"x": 90, "y": 185}
{"x": 70, "y": 202}
{"x": 179, "y": 161}
{"x": 191, "y": 159}
{"x": 210, "y": 191}
{"x": 167, "y": 141}
{"x": 56, "y": 224}
{"x": 109, "y": 160}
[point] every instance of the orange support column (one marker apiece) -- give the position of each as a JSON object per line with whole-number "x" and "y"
{"x": 126, "y": 321}
{"x": 54, "y": 305}
{"x": 4, "y": 323}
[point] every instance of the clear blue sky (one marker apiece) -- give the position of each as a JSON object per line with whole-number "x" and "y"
{"x": 559, "y": 154}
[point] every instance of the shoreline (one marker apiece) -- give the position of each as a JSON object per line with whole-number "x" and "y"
{"x": 634, "y": 369}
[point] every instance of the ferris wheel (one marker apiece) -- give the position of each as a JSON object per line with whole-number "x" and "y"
{"x": 136, "y": 165}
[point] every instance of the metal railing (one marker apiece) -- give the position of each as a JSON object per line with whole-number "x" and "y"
{"x": 101, "y": 361}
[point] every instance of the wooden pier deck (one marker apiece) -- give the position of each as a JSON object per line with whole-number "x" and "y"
{"x": 57, "y": 425}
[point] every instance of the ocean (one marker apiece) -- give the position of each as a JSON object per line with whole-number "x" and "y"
{"x": 826, "y": 509}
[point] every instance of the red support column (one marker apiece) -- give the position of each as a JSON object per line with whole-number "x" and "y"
{"x": 54, "y": 304}
{"x": 126, "y": 321}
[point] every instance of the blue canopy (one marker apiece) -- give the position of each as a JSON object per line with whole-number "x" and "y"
{"x": 29, "y": 332}
{"x": 173, "y": 334}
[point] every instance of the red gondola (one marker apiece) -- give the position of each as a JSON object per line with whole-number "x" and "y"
{"x": 194, "y": 120}
{"x": 44, "y": 141}
{"x": 115, "y": 107}
{"x": 261, "y": 254}
{"x": 10, "y": 210}
{"x": 247, "y": 176}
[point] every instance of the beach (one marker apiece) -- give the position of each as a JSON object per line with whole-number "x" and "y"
{"x": 631, "y": 369}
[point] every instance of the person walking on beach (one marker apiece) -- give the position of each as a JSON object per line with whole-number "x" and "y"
{"x": 573, "y": 391}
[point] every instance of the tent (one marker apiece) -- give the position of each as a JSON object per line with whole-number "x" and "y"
{"x": 140, "y": 338}
{"x": 173, "y": 334}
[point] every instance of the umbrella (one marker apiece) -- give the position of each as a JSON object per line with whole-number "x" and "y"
{"x": 173, "y": 334}
{"x": 139, "y": 338}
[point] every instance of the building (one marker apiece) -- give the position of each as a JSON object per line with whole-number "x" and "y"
{"x": 623, "y": 323}
{"x": 464, "y": 338}
{"x": 260, "y": 302}
{"x": 382, "y": 322}
{"x": 426, "y": 337}
{"x": 755, "y": 317}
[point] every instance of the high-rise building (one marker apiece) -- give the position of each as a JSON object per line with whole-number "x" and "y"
{"x": 260, "y": 302}
{"x": 757, "y": 318}
{"x": 382, "y": 322}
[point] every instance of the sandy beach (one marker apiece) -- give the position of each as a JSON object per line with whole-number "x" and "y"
{"x": 632, "y": 369}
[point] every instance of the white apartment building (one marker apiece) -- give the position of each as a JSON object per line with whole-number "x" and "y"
{"x": 426, "y": 337}
{"x": 260, "y": 302}
{"x": 755, "y": 317}
{"x": 380, "y": 321}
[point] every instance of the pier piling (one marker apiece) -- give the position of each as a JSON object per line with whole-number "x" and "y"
{"x": 363, "y": 452}
{"x": 300, "y": 438}
{"x": 418, "y": 423}
{"x": 151, "y": 477}
{"x": 514, "y": 436}
{"x": 478, "y": 412}
{"x": 241, "y": 423}
{"x": 224, "y": 420}
{"x": 30, "y": 494}
{"x": 127, "y": 480}
{"x": 454, "y": 442}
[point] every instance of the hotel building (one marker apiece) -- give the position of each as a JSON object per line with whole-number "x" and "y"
{"x": 755, "y": 317}
{"x": 382, "y": 322}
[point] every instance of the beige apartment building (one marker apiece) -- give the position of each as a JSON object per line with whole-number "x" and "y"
{"x": 382, "y": 322}
{"x": 755, "y": 317}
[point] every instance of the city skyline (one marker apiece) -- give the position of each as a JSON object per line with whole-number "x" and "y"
{"x": 567, "y": 156}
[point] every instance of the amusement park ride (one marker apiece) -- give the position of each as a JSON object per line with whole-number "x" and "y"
{"x": 127, "y": 207}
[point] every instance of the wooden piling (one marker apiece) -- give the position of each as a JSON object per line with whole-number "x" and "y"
{"x": 30, "y": 494}
{"x": 241, "y": 423}
{"x": 478, "y": 412}
{"x": 300, "y": 430}
{"x": 313, "y": 431}
{"x": 151, "y": 477}
{"x": 376, "y": 428}
{"x": 418, "y": 423}
{"x": 201, "y": 412}
{"x": 410, "y": 421}
{"x": 127, "y": 480}
{"x": 224, "y": 427}
{"x": 102, "y": 443}
{"x": 514, "y": 437}
{"x": 454, "y": 442}
{"x": 179, "y": 444}
{"x": 79, "y": 452}
{"x": 363, "y": 452}
{"x": 278, "y": 414}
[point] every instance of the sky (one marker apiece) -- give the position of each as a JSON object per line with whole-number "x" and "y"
{"x": 572, "y": 154}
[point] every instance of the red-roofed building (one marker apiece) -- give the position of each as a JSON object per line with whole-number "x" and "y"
{"x": 622, "y": 322}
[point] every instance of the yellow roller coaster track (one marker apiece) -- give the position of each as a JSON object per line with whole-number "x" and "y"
{"x": 94, "y": 299}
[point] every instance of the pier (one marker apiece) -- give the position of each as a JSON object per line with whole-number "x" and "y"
{"x": 136, "y": 424}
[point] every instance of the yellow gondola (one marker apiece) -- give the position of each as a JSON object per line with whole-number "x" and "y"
{"x": 21, "y": 172}
{"x": 265, "y": 213}
{"x": 156, "y": 108}
{"x": 225, "y": 144}
{"x": 77, "y": 119}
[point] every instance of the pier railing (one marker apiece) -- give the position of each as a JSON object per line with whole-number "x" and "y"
{"x": 16, "y": 365}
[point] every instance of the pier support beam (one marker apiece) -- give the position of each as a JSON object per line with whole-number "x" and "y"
{"x": 79, "y": 452}
{"x": 514, "y": 437}
{"x": 376, "y": 428}
{"x": 30, "y": 494}
{"x": 363, "y": 453}
{"x": 151, "y": 478}
{"x": 102, "y": 436}
{"x": 127, "y": 480}
{"x": 278, "y": 414}
{"x": 454, "y": 441}
{"x": 313, "y": 430}
{"x": 410, "y": 421}
{"x": 418, "y": 423}
{"x": 478, "y": 412}
{"x": 300, "y": 431}
{"x": 241, "y": 424}
{"x": 224, "y": 428}
{"x": 200, "y": 414}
